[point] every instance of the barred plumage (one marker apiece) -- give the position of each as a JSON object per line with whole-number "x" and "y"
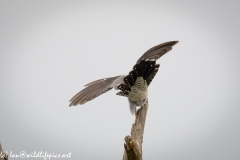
{"x": 134, "y": 85}
{"x": 139, "y": 90}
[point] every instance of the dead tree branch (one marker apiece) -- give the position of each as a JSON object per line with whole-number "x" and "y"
{"x": 3, "y": 156}
{"x": 133, "y": 143}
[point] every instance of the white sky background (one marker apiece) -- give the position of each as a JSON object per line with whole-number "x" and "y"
{"x": 50, "y": 49}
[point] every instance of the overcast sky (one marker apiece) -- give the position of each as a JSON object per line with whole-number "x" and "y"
{"x": 50, "y": 49}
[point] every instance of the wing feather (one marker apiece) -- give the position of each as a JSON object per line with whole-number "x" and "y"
{"x": 156, "y": 52}
{"x": 103, "y": 88}
{"x": 93, "y": 90}
{"x": 148, "y": 70}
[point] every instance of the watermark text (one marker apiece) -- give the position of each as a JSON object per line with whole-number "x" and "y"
{"x": 35, "y": 154}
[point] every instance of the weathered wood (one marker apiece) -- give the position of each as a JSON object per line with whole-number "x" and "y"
{"x": 3, "y": 156}
{"x": 133, "y": 143}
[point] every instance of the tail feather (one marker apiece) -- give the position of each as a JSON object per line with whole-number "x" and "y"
{"x": 146, "y": 69}
{"x": 128, "y": 80}
{"x": 152, "y": 74}
{"x": 134, "y": 74}
{"x": 123, "y": 87}
{"x": 123, "y": 93}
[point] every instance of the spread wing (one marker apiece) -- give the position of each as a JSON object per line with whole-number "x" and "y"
{"x": 156, "y": 52}
{"x": 94, "y": 89}
{"x": 145, "y": 67}
{"x": 98, "y": 87}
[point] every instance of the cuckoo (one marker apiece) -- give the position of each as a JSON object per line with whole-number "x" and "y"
{"x": 134, "y": 86}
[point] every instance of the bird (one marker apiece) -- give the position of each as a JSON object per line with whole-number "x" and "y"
{"x": 134, "y": 85}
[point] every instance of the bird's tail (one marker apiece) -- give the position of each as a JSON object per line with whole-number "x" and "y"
{"x": 146, "y": 69}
